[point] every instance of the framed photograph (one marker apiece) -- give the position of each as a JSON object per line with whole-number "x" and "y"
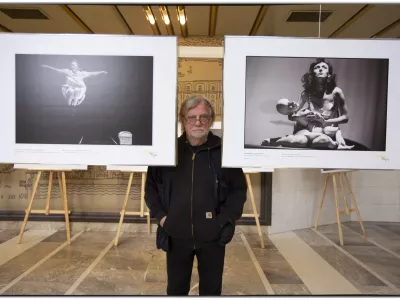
{"x": 88, "y": 99}
{"x": 311, "y": 103}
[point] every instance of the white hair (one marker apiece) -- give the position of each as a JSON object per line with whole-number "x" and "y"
{"x": 193, "y": 102}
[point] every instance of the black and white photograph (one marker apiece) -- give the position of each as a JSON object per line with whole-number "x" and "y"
{"x": 84, "y": 99}
{"x": 311, "y": 103}
{"x": 316, "y": 103}
{"x": 88, "y": 99}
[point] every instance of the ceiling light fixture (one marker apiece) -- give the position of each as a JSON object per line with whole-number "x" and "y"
{"x": 181, "y": 13}
{"x": 166, "y": 19}
{"x": 152, "y": 20}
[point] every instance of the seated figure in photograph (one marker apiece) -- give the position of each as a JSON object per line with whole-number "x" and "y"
{"x": 196, "y": 203}
{"x": 74, "y": 89}
{"x": 321, "y": 110}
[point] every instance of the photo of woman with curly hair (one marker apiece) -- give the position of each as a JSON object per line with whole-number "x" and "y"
{"x": 328, "y": 115}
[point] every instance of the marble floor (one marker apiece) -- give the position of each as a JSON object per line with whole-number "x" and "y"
{"x": 302, "y": 262}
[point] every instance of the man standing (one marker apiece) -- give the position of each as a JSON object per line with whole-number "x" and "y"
{"x": 196, "y": 203}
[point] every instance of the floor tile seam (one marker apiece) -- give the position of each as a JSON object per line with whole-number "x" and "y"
{"x": 82, "y": 277}
{"x": 260, "y": 272}
{"x": 360, "y": 263}
{"x": 33, "y": 237}
{"x": 375, "y": 243}
{"x": 314, "y": 283}
{"x": 40, "y": 262}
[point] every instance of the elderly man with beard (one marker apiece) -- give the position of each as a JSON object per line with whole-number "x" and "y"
{"x": 196, "y": 203}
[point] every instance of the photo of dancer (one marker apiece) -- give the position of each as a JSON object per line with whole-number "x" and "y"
{"x": 84, "y": 99}
{"x": 316, "y": 103}
{"x": 74, "y": 89}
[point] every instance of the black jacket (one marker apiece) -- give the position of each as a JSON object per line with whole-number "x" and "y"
{"x": 197, "y": 196}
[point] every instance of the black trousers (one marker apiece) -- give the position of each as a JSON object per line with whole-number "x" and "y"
{"x": 210, "y": 264}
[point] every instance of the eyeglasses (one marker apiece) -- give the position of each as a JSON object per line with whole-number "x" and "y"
{"x": 203, "y": 119}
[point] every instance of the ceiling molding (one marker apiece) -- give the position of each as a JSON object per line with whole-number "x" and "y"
{"x": 74, "y": 17}
{"x": 123, "y": 20}
{"x": 259, "y": 19}
{"x": 213, "y": 20}
{"x": 386, "y": 29}
{"x": 353, "y": 19}
{"x": 4, "y": 28}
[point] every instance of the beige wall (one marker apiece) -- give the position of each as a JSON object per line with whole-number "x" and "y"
{"x": 296, "y": 194}
{"x": 99, "y": 190}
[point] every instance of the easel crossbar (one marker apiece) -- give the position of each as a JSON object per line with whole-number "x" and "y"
{"x": 134, "y": 213}
{"x": 43, "y": 211}
{"x": 251, "y": 215}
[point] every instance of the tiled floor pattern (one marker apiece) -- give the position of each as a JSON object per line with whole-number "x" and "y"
{"x": 302, "y": 262}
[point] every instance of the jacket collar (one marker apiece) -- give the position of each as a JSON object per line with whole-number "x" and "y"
{"x": 213, "y": 141}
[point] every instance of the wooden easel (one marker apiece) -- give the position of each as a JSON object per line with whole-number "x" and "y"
{"x": 132, "y": 170}
{"x": 256, "y": 216}
{"x": 341, "y": 174}
{"x": 63, "y": 192}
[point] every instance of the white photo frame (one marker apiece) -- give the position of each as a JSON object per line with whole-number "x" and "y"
{"x": 137, "y": 123}
{"x": 250, "y": 64}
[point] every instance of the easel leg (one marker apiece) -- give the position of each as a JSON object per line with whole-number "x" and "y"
{"x": 143, "y": 202}
{"x": 121, "y": 219}
{"x": 49, "y": 193}
{"x": 337, "y": 209}
{"x": 355, "y": 206}
{"x": 28, "y": 210}
{"x": 142, "y": 194}
{"x": 321, "y": 202}
{"x": 343, "y": 193}
{"x": 65, "y": 203}
{"x": 253, "y": 203}
{"x": 148, "y": 221}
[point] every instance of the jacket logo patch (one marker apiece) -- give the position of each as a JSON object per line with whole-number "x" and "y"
{"x": 208, "y": 215}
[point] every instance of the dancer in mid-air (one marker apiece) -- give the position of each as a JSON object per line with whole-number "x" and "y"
{"x": 74, "y": 90}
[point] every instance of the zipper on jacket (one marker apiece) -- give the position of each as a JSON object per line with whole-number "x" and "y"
{"x": 191, "y": 197}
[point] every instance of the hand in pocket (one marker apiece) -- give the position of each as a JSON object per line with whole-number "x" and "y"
{"x": 227, "y": 234}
